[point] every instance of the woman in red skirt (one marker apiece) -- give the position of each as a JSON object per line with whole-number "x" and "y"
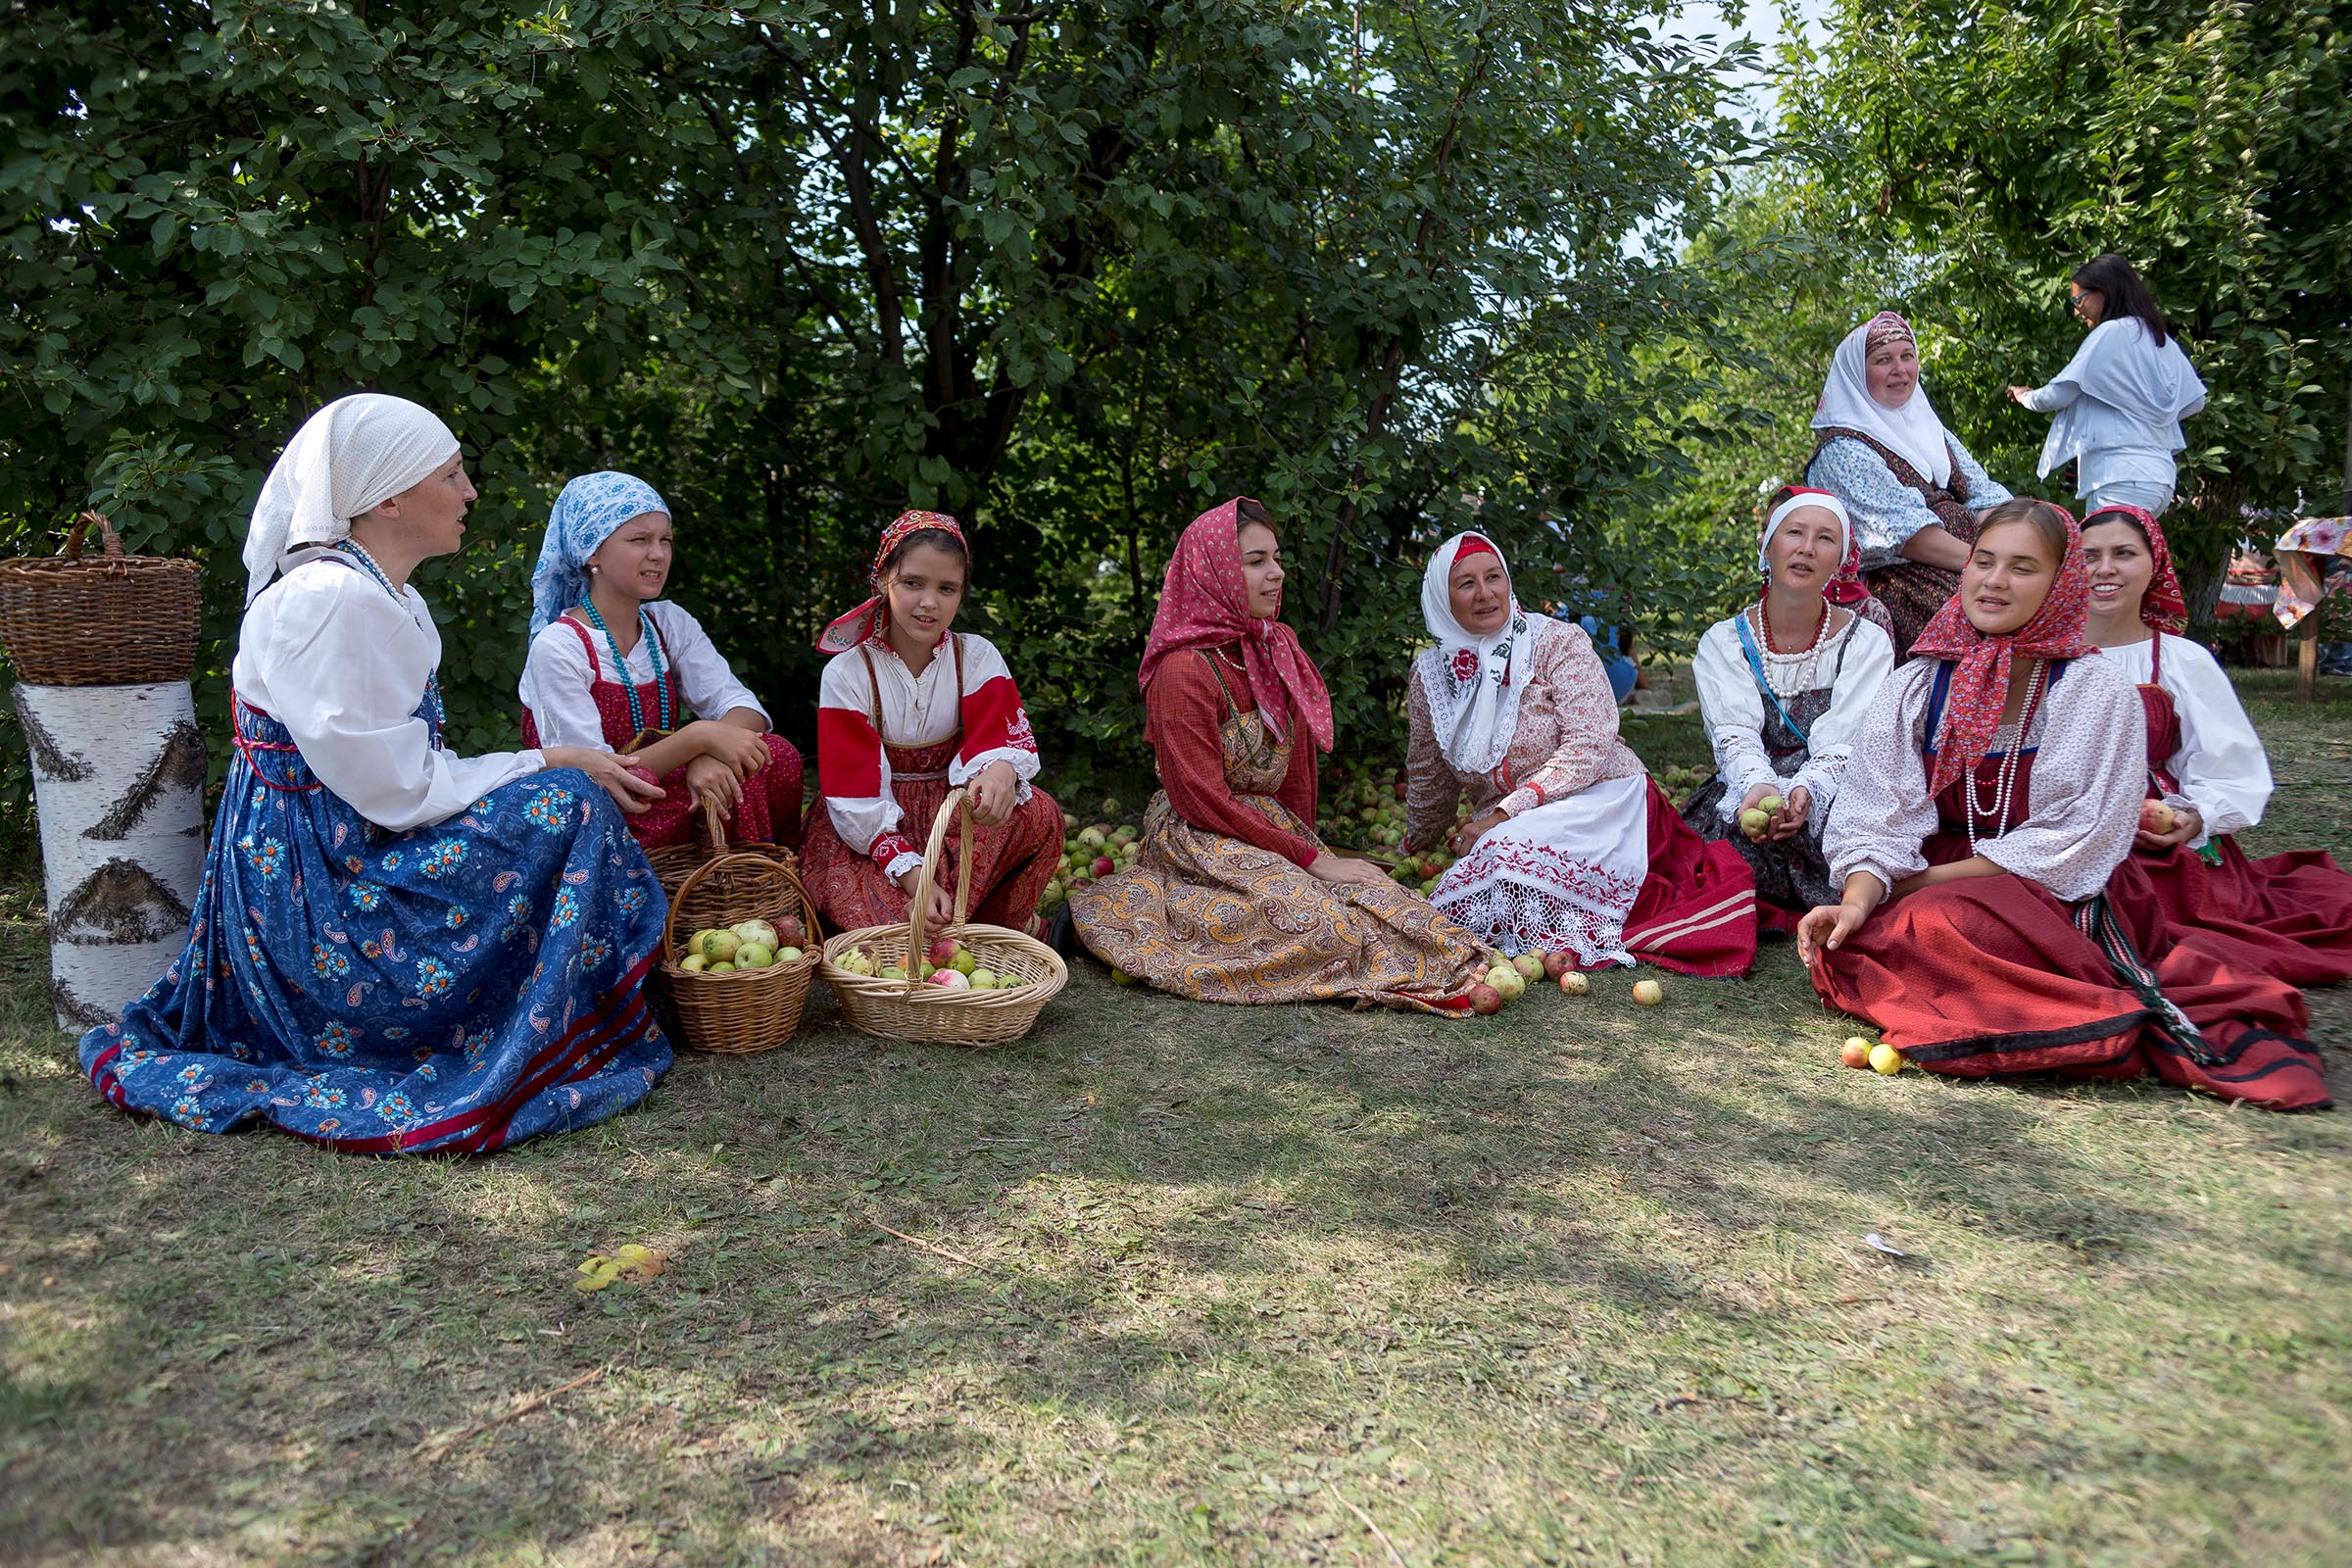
{"x": 1991, "y": 922}
{"x": 909, "y": 709}
{"x": 2290, "y": 915}
{"x": 616, "y": 668}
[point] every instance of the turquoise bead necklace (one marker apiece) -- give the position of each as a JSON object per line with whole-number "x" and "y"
{"x": 653, "y": 644}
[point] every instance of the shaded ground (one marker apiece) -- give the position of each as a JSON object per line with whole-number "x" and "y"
{"x": 1585, "y": 1283}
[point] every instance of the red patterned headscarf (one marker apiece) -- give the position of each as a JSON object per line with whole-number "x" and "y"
{"x": 845, "y": 632}
{"x": 1979, "y": 686}
{"x": 1846, "y": 588}
{"x": 1205, "y": 603}
{"x": 2162, "y": 607}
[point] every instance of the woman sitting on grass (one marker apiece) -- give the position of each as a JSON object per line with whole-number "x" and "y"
{"x": 908, "y": 709}
{"x": 2289, "y": 916}
{"x": 1235, "y": 898}
{"x": 394, "y": 950}
{"x": 1573, "y": 850}
{"x": 616, "y": 668}
{"x": 1990, "y": 921}
{"x": 1782, "y": 687}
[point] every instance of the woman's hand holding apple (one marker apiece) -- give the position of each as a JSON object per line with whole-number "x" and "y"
{"x": 1790, "y": 821}
{"x": 994, "y": 793}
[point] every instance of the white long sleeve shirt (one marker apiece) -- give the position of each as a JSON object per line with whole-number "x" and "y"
{"x": 1732, "y": 708}
{"x": 328, "y": 652}
{"x": 562, "y": 667}
{"x": 2220, "y": 766}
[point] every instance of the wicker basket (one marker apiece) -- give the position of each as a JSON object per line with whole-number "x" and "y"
{"x": 673, "y": 863}
{"x": 746, "y": 1010}
{"x": 113, "y": 620}
{"x": 909, "y": 1010}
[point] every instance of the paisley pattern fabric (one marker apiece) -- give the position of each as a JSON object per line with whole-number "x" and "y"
{"x": 462, "y": 986}
{"x": 1206, "y": 916}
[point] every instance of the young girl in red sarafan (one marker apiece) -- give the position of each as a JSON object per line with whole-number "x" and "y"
{"x": 909, "y": 709}
{"x": 613, "y": 666}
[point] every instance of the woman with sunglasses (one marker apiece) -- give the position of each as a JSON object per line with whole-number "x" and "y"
{"x": 2121, "y": 399}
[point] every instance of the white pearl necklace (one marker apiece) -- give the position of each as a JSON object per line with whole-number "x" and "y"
{"x": 1811, "y": 655}
{"x": 2005, "y": 777}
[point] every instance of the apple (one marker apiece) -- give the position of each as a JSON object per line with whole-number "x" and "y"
{"x": 1090, "y": 838}
{"x": 790, "y": 955}
{"x": 855, "y": 961}
{"x": 1529, "y": 966}
{"x": 717, "y": 946}
{"x": 721, "y": 968}
{"x": 893, "y": 972}
{"x": 1555, "y": 965}
{"x": 950, "y": 980}
{"x": 984, "y": 979}
{"x": 754, "y": 955}
{"x": 1770, "y": 805}
{"x": 1120, "y": 977}
{"x": 693, "y": 962}
{"x": 758, "y": 931}
{"x": 1573, "y": 983}
{"x": 791, "y": 933}
{"x": 1012, "y": 982}
{"x": 941, "y": 952}
{"x": 1103, "y": 865}
{"x": 1509, "y": 982}
{"x": 1485, "y": 1001}
{"x": 1648, "y": 993}
{"x": 1754, "y": 820}
{"x": 963, "y": 963}
{"x": 2155, "y": 816}
{"x": 1886, "y": 1060}
{"x": 1855, "y": 1053}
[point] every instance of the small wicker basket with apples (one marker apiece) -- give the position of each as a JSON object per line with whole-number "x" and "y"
{"x": 967, "y": 985}
{"x": 740, "y": 976}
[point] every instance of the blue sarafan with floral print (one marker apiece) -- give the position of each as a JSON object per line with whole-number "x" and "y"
{"x": 393, "y": 991}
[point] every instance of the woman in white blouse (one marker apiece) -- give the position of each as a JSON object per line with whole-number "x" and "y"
{"x": 2290, "y": 915}
{"x": 616, "y": 668}
{"x": 1782, "y": 688}
{"x": 394, "y": 949}
{"x": 2121, "y": 399}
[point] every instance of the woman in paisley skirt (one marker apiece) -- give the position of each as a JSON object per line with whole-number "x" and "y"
{"x": 1573, "y": 849}
{"x": 907, "y": 710}
{"x": 1782, "y": 687}
{"x": 1912, "y": 488}
{"x": 394, "y": 950}
{"x": 2290, "y": 915}
{"x": 616, "y": 668}
{"x": 1234, "y": 896}
{"x": 1990, "y": 921}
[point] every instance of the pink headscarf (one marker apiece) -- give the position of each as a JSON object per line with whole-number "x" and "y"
{"x": 845, "y": 632}
{"x": 1203, "y": 604}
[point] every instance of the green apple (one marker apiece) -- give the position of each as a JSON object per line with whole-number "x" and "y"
{"x": 1509, "y": 982}
{"x": 1754, "y": 820}
{"x": 759, "y": 931}
{"x": 721, "y": 968}
{"x": 983, "y": 979}
{"x": 754, "y": 955}
{"x": 1529, "y": 966}
{"x": 717, "y": 946}
{"x": 693, "y": 964}
{"x": 789, "y": 955}
{"x": 1770, "y": 805}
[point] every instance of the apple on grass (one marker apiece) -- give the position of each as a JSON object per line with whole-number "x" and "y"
{"x": 1886, "y": 1060}
{"x": 1530, "y": 967}
{"x": 1855, "y": 1053}
{"x": 1648, "y": 993}
{"x": 1485, "y": 999}
{"x": 1555, "y": 965}
{"x": 1573, "y": 983}
{"x": 1507, "y": 981}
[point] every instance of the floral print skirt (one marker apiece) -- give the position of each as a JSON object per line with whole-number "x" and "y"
{"x": 459, "y": 987}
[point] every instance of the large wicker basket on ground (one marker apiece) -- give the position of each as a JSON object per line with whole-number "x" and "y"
{"x": 112, "y": 620}
{"x": 908, "y": 1008}
{"x": 746, "y": 1010}
{"x": 673, "y": 863}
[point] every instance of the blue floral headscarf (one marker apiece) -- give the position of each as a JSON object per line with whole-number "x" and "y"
{"x": 590, "y": 508}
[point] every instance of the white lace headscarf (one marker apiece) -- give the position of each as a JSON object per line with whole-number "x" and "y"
{"x": 1473, "y": 683}
{"x": 349, "y": 456}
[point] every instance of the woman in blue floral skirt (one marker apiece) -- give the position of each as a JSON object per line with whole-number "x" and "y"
{"x": 394, "y": 950}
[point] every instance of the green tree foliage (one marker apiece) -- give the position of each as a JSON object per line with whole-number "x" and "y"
{"x": 1074, "y": 271}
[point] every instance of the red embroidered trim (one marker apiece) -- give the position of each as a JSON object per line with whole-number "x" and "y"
{"x": 248, "y": 747}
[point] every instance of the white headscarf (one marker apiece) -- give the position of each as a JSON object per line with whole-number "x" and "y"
{"x": 1799, "y": 498}
{"x": 347, "y": 458}
{"x": 1473, "y": 683}
{"x": 1912, "y": 432}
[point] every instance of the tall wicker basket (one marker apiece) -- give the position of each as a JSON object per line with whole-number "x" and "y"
{"x": 908, "y": 1008}
{"x": 750, "y": 1009}
{"x": 113, "y": 619}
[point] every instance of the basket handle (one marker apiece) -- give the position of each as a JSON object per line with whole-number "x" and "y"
{"x": 669, "y": 922}
{"x": 715, "y": 825}
{"x": 110, "y": 541}
{"x": 959, "y": 803}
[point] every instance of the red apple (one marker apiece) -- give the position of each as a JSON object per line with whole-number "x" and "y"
{"x": 790, "y": 932}
{"x": 1555, "y": 965}
{"x": 1103, "y": 865}
{"x": 1855, "y": 1053}
{"x": 940, "y": 953}
{"x": 1485, "y": 999}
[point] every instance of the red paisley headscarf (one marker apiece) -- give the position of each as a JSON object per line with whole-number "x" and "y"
{"x": 1979, "y": 686}
{"x": 1205, "y": 603}
{"x": 845, "y": 632}
{"x": 2162, "y": 607}
{"x": 1846, "y": 588}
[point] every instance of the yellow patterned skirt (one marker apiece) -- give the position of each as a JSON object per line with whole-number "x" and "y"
{"x": 1207, "y": 916}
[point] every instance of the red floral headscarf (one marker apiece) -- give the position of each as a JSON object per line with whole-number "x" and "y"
{"x": 1205, "y": 603}
{"x": 2162, "y": 607}
{"x": 1979, "y": 686}
{"x": 845, "y": 632}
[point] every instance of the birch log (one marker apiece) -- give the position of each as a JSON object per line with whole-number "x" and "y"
{"x": 117, "y": 778}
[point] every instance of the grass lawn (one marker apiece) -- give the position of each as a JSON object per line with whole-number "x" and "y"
{"x": 1583, "y": 1283}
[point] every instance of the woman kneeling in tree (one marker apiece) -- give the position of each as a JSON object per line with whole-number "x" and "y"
{"x": 616, "y": 668}
{"x": 1234, "y": 896}
{"x": 1992, "y": 922}
{"x": 394, "y": 949}
{"x": 908, "y": 709}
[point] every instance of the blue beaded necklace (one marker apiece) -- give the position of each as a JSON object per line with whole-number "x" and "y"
{"x": 435, "y": 714}
{"x": 653, "y": 644}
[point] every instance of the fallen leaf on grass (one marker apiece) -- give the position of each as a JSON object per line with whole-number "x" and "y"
{"x": 631, "y": 1261}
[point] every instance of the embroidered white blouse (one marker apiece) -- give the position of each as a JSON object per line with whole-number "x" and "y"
{"x": 1734, "y": 710}
{"x": 342, "y": 664}
{"x": 2089, "y": 740}
{"x": 559, "y": 670}
{"x": 2220, "y": 765}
